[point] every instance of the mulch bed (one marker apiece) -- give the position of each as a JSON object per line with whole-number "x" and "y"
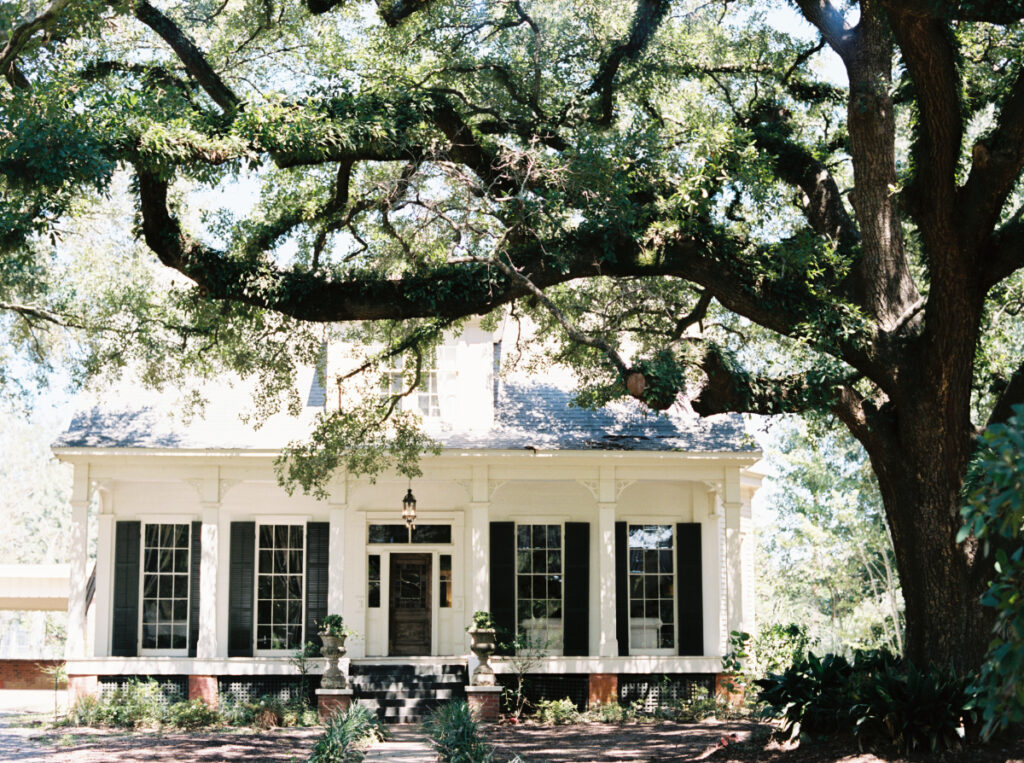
{"x": 714, "y": 741}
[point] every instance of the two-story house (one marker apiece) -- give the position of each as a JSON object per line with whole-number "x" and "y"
{"x": 616, "y": 537}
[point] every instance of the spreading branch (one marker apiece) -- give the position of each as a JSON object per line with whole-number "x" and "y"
{"x": 20, "y": 35}
{"x": 190, "y": 55}
{"x": 646, "y": 20}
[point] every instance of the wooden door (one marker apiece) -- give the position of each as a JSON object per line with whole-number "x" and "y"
{"x": 409, "y": 605}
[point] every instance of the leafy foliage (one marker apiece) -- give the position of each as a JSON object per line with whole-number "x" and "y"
{"x": 879, "y": 698}
{"x": 557, "y": 712}
{"x": 455, "y": 735}
{"x": 994, "y": 515}
{"x": 346, "y": 735}
{"x": 778, "y": 647}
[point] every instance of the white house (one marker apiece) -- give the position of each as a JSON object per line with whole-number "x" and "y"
{"x": 617, "y": 536}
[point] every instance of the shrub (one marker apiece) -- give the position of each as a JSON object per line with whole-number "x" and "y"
{"x": 236, "y": 712}
{"x": 344, "y": 736}
{"x": 879, "y": 698}
{"x": 137, "y": 703}
{"x": 700, "y": 706}
{"x": 192, "y": 714}
{"x": 455, "y": 735}
{"x": 557, "y": 712}
{"x": 268, "y": 712}
{"x": 611, "y": 712}
{"x": 777, "y": 647}
{"x": 911, "y": 709}
{"x": 84, "y": 712}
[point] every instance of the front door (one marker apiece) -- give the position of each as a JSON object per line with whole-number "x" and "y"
{"x": 409, "y": 621}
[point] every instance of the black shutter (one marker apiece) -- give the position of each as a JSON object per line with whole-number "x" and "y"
{"x": 503, "y": 581}
{"x": 318, "y": 536}
{"x": 690, "y": 588}
{"x": 125, "y": 631}
{"x": 621, "y": 589}
{"x": 240, "y": 589}
{"x": 576, "y": 590}
{"x": 193, "y": 589}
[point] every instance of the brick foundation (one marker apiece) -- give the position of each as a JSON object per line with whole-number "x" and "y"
{"x": 28, "y": 674}
{"x": 82, "y": 686}
{"x": 204, "y": 688}
{"x": 723, "y": 682}
{"x": 603, "y": 689}
{"x": 329, "y": 702}
{"x": 484, "y": 702}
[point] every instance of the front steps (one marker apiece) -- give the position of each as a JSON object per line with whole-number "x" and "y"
{"x": 404, "y": 692}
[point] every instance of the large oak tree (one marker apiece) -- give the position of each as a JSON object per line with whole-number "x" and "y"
{"x": 662, "y": 184}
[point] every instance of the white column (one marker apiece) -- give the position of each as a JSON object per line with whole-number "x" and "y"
{"x": 209, "y": 645}
{"x": 101, "y": 603}
{"x": 479, "y": 557}
{"x": 608, "y": 645}
{"x": 79, "y": 571}
{"x": 734, "y": 565}
{"x": 336, "y": 562}
{"x": 223, "y": 578}
{"x": 705, "y": 511}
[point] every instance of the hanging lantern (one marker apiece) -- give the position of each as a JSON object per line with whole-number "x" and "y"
{"x": 409, "y": 509}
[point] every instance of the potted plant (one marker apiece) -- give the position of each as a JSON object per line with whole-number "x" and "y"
{"x": 333, "y": 633}
{"x": 483, "y": 642}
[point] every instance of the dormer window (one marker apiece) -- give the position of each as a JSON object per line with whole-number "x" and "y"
{"x": 425, "y": 398}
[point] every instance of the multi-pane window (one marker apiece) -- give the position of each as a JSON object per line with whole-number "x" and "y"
{"x": 539, "y": 584}
{"x": 651, "y": 587}
{"x": 425, "y": 399}
{"x": 402, "y": 534}
{"x": 279, "y": 591}
{"x": 165, "y": 587}
{"x": 373, "y": 581}
{"x": 445, "y": 580}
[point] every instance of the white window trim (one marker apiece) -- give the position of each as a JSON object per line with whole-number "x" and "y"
{"x": 276, "y": 521}
{"x": 164, "y": 520}
{"x": 671, "y": 521}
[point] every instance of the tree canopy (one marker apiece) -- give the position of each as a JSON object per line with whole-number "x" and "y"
{"x": 663, "y": 185}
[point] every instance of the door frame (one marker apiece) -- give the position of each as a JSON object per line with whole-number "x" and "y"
{"x": 429, "y": 559}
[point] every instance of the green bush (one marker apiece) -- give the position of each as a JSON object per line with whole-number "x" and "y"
{"x": 703, "y": 704}
{"x": 557, "y": 712}
{"x": 345, "y": 735}
{"x": 137, "y": 703}
{"x": 268, "y": 712}
{"x": 911, "y": 709}
{"x": 994, "y": 514}
{"x": 455, "y": 735}
{"x": 84, "y": 712}
{"x": 192, "y": 714}
{"x": 777, "y": 647}
{"x": 235, "y": 712}
{"x": 613, "y": 712}
{"x": 879, "y": 698}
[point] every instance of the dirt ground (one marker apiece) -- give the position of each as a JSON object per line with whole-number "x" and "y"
{"x": 714, "y": 741}
{"x": 23, "y": 741}
{"x": 87, "y": 745}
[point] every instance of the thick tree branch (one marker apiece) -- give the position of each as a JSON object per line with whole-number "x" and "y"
{"x": 20, "y": 35}
{"x": 998, "y": 161}
{"x": 794, "y": 164}
{"x": 729, "y": 390}
{"x": 882, "y": 270}
{"x": 189, "y": 54}
{"x": 927, "y": 48}
{"x": 830, "y": 22}
{"x": 1012, "y": 394}
{"x": 1004, "y": 252}
{"x": 646, "y": 20}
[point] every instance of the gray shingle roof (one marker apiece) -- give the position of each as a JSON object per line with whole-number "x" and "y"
{"x": 527, "y": 415}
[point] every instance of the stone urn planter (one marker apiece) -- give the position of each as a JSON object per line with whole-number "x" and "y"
{"x": 483, "y": 642}
{"x": 333, "y": 650}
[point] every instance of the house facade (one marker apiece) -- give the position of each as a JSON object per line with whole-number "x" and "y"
{"x": 615, "y": 542}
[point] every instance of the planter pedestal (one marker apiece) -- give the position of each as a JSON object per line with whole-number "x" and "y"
{"x": 484, "y": 702}
{"x": 333, "y": 650}
{"x": 332, "y": 701}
